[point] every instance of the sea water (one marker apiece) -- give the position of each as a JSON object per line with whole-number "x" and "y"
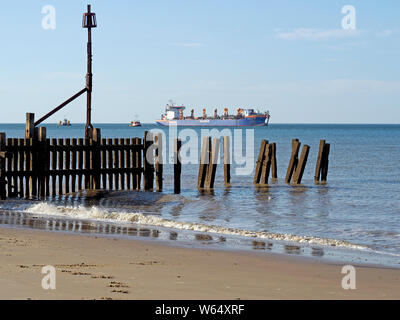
{"x": 357, "y": 210}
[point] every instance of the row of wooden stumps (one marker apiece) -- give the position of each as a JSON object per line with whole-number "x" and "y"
{"x": 297, "y": 165}
{"x": 266, "y": 163}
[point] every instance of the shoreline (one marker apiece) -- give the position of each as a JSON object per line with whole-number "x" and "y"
{"x": 198, "y": 238}
{"x": 97, "y": 267}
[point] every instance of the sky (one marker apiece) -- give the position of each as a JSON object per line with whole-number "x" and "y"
{"x": 290, "y": 57}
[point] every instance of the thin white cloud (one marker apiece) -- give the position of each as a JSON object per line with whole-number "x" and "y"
{"x": 316, "y": 34}
{"x": 62, "y": 75}
{"x": 187, "y": 44}
{"x": 332, "y": 60}
{"x": 332, "y": 87}
{"x": 348, "y": 45}
{"x": 387, "y": 32}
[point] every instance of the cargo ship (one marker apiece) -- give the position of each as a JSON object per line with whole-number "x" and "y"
{"x": 244, "y": 118}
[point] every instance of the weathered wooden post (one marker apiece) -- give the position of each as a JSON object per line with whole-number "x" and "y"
{"x": 227, "y": 160}
{"x": 30, "y": 126}
{"x": 30, "y": 134}
{"x": 122, "y": 162}
{"x": 115, "y": 144}
{"x": 298, "y": 174}
{"x": 260, "y": 160}
{"x": 318, "y": 166}
{"x": 293, "y": 160}
{"x": 9, "y": 169}
{"x": 321, "y": 168}
{"x": 127, "y": 162}
{"x": 204, "y": 161}
{"x": 266, "y": 165}
{"x": 42, "y": 161}
{"x": 110, "y": 164}
{"x": 177, "y": 166}
{"x": 3, "y": 193}
{"x": 33, "y": 166}
{"x": 60, "y": 160}
{"x": 138, "y": 163}
{"x": 325, "y": 163}
{"x": 145, "y": 163}
{"x": 95, "y": 158}
{"x": 274, "y": 165}
{"x": 53, "y": 162}
{"x": 21, "y": 166}
{"x": 74, "y": 143}
{"x": 159, "y": 162}
{"x": 212, "y": 166}
{"x": 148, "y": 172}
{"x": 80, "y": 162}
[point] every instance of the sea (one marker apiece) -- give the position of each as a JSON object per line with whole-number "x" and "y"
{"x": 353, "y": 218}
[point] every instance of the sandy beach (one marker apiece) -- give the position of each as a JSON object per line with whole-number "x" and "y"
{"x": 91, "y": 267}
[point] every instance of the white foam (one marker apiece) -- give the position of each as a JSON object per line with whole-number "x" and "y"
{"x": 102, "y": 214}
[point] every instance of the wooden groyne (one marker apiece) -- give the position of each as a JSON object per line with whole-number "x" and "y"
{"x": 39, "y": 167}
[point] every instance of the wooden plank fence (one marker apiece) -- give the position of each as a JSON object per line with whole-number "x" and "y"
{"x": 39, "y": 167}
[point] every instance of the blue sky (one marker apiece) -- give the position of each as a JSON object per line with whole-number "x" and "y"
{"x": 290, "y": 57}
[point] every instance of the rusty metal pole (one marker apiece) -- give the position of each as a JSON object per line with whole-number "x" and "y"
{"x": 89, "y": 77}
{"x": 89, "y": 22}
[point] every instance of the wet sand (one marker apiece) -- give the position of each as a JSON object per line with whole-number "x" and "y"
{"x": 90, "y": 267}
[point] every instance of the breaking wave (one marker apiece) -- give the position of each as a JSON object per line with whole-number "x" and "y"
{"x": 102, "y": 214}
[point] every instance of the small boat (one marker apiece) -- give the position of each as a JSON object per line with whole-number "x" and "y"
{"x": 64, "y": 123}
{"x": 135, "y": 124}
